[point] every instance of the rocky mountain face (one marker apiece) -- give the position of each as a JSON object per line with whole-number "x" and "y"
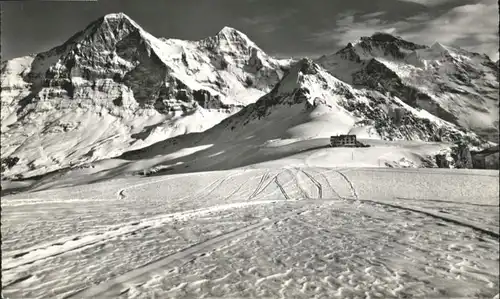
{"x": 114, "y": 87}
{"x": 459, "y": 156}
{"x": 308, "y": 103}
{"x": 487, "y": 158}
{"x": 311, "y": 103}
{"x": 455, "y": 85}
{"x": 314, "y": 95}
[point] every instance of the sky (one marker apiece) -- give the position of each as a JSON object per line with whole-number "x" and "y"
{"x": 284, "y": 28}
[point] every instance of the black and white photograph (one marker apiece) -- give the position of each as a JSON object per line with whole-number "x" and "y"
{"x": 257, "y": 149}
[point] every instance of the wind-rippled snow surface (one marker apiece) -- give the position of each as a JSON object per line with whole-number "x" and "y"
{"x": 286, "y": 233}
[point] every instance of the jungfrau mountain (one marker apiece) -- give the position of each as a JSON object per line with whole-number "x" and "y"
{"x": 115, "y": 90}
{"x": 455, "y": 85}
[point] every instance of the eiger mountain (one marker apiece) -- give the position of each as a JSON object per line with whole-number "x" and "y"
{"x": 113, "y": 89}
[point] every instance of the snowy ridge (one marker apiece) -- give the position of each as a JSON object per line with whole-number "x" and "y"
{"x": 114, "y": 87}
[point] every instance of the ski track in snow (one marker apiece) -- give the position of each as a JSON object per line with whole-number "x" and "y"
{"x": 91, "y": 238}
{"x": 293, "y": 232}
{"x": 315, "y": 182}
{"x": 350, "y": 184}
{"x": 179, "y": 258}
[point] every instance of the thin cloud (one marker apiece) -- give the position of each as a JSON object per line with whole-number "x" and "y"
{"x": 263, "y": 24}
{"x": 257, "y": 20}
{"x": 296, "y": 54}
{"x": 428, "y": 2}
{"x": 419, "y": 18}
{"x": 267, "y": 23}
{"x": 473, "y": 27}
{"x": 373, "y": 15}
{"x": 348, "y": 30}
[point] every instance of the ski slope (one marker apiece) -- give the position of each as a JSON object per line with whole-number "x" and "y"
{"x": 281, "y": 232}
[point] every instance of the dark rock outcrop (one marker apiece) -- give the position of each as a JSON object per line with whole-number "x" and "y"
{"x": 486, "y": 159}
{"x": 462, "y": 156}
{"x": 442, "y": 161}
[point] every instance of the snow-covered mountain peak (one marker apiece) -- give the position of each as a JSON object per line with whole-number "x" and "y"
{"x": 437, "y": 46}
{"x": 231, "y": 32}
{"x": 118, "y": 16}
{"x": 231, "y": 41}
{"x": 111, "y": 40}
{"x": 106, "y": 49}
{"x": 234, "y": 35}
{"x": 383, "y": 38}
{"x": 118, "y": 21}
{"x": 305, "y": 66}
{"x": 297, "y": 75}
{"x": 306, "y": 62}
{"x": 380, "y": 45}
{"x": 105, "y": 32}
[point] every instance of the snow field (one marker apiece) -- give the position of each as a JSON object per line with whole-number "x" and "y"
{"x": 257, "y": 233}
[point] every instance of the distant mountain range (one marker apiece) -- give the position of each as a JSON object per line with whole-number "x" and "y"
{"x": 113, "y": 88}
{"x": 455, "y": 85}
